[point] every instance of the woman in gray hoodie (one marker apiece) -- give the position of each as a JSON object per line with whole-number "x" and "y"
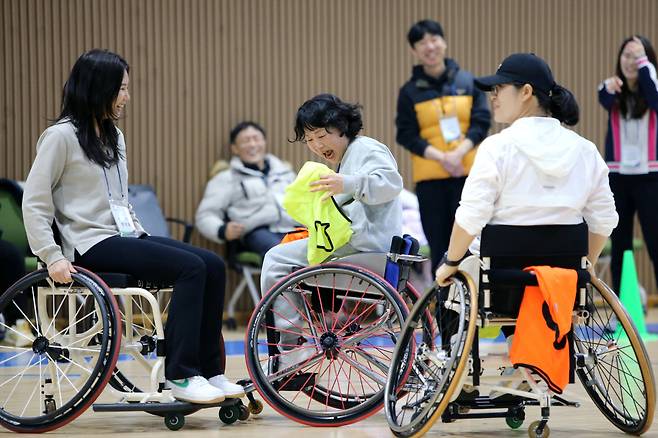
{"x": 365, "y": 186}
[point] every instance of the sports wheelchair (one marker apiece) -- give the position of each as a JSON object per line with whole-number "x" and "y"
{"x": 82, "y": 336}
{"x": 320, "y": 342}
{"x": 606, "y": 352}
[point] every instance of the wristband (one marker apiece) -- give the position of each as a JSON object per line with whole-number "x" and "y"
{"x": 447, "y": 262}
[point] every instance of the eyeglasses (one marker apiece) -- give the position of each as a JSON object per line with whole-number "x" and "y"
{"x": 497, "y": 89}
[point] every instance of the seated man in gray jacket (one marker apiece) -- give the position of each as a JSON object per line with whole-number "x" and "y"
{"x": 244, "y": 201}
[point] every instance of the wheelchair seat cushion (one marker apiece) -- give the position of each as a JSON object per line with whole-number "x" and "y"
{"x": 249, "y": 258}
{"x": 117, "y": 280}
{"x": 512, "y": 247}
{"x": 372, "y": 261}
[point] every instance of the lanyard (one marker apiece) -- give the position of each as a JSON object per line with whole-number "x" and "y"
{"x": 107, "y": 183}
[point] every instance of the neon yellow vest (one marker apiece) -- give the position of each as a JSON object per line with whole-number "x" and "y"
{"x": 328, "y": 227}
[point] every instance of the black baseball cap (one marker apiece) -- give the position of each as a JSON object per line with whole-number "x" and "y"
{"x": 521, "y": 68}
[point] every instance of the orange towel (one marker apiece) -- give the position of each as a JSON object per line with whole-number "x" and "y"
{"x": 298, "y": 234}
{"x": 540, "y": 339}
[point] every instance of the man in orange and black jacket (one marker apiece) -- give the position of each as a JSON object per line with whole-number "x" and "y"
{"x": 441, "y": 118}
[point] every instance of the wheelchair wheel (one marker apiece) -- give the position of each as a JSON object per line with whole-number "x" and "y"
{"x": 612, "y": 363}
{"x": 53, "y": 371}
{"x": 320, "y": 343}
{"x": 415, "y": 399}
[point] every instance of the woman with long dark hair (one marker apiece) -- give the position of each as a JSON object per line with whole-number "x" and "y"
{"x": 79, "y": 180}
{"x": 631, "y": 99}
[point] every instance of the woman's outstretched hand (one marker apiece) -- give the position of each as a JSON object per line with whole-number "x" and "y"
{"x": 332, "y": 184}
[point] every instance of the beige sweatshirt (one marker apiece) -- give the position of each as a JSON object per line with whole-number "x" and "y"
{"x": 65, "y": 186}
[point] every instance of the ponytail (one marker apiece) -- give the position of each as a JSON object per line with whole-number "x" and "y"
{"x": 561, "y": 104}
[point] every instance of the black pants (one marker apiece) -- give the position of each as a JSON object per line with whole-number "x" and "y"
{"x": 438, "y": 200}
{"x": 12, "y": 267}
{"x": 634, "y": 193}
{"x": 193, "y": 331}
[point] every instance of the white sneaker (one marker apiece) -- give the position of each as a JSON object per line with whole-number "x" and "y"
{"x": 195, "y": 389}
{"x": 230, "y": 389}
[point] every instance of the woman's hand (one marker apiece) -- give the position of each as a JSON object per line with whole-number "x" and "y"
{"x": 443, "y": 274}
{"x": 331, "y": 183}
{"x": 637, "y": 48}
{"x": 233, "y": 230}
{"x": 60, "y": 271}
{"x": 613, "y": 85}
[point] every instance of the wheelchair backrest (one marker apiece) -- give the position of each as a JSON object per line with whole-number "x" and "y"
{"x": 513, "y": 246}
{"x": 12, "y": 228}
{"x": 510, "y": 248}
{"x": 11, "y": 215}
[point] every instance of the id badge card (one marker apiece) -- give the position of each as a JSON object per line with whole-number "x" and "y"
{"x": 122, "y": 218}
{"x": 450, "y": 128}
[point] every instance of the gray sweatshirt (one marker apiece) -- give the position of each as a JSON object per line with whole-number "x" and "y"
{"x": 371, "y": 187}
{"x": 65, "y": 186}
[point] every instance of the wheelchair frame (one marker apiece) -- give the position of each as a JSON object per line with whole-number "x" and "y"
{"x": 340, "y": 407}
{"x": 154, "y": 399}
{"x": 442, "y": 401}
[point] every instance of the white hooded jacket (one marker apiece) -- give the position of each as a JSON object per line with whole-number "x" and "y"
{"x": 536, "y": 172}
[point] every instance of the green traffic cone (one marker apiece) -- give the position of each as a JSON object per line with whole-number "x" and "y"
{"x": 629, "y": 295}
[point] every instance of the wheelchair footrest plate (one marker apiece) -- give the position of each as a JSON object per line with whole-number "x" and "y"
{"x": 184, "y": 408}
{"x": 505, "y": 401}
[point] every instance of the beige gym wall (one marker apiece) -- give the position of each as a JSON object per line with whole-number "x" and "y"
{"x": 200, "y": 66}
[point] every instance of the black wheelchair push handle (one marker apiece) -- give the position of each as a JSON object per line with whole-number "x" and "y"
{"x": 516, "y": 277}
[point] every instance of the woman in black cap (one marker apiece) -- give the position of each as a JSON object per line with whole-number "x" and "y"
{"x": 534, "y": 172}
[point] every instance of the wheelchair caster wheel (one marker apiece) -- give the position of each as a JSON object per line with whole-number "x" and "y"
{"x": 174, "y": 421}
{"x": 229, "y": 414}
{"x": 532, "y": 430}
{"x": 514, "y": 422}
{"x": 243, "y": 413}
{"x": 515, "y": 418}
{"x": 255, "y": 407}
